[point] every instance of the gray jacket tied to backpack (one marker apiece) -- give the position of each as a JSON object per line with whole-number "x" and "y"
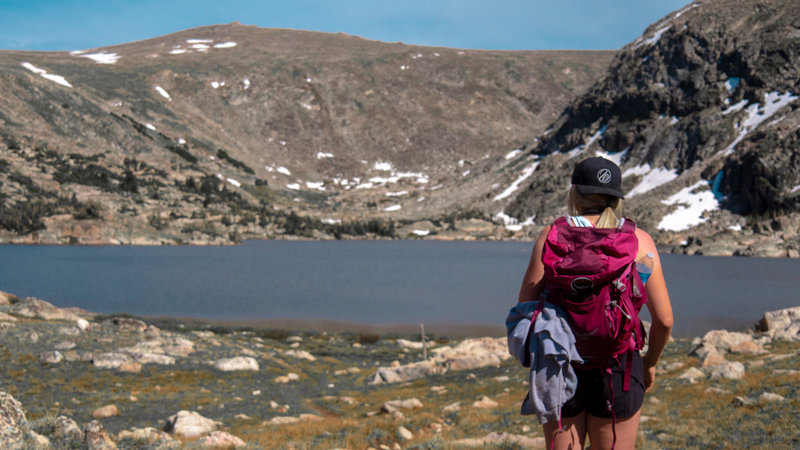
{"x": 548, "y": 350}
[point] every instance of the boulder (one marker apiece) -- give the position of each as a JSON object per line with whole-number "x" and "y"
{"x": 732, "y": 371}
{"x": 51, "y": 357}
{"x": 111, "y": 360}
{"x": 406, "y": 372}
{"x": 7, "y": 317}
{"x": 149, "y": 437}
{"x": 105, "y": 411}
{"x": 220, "y": 439}
{"x": 693, "y": 374}
{"x": 404, "y": 434}
{"x": 723, "y": 341}
{"x": 468, "y": 354}
{"x": 485, "y": 402}
{"x": 96, "y": 438}
{"x": 128, "y": 325}
{"x": 300, "y": 354}
{"x": 66, "y": 428}
{"x": 395, "y": 405}
{"x": 287, "y": 378}
{"x": 236, "y": 363}
{"x": 5, "y": 298}
{"x": 39, "y": 309}
{"x": 783, "y": 324}
{"x": 189, "y": 424}
{"x": 12, "y": 417}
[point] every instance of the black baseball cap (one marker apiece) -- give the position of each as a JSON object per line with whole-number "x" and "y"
{"x": 598, "y": 176}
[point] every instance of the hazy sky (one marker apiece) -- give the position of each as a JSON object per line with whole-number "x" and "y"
{"x": 469, "y": 24}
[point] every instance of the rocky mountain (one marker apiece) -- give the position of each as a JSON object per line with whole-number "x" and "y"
{"x": 229, "y": 132}
{"x": 701, "y": 112}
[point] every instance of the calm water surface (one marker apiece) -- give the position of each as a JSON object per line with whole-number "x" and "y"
{"x": 374, "y": 282}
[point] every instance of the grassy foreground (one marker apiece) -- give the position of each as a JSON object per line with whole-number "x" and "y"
{"x": 334, "y": 406}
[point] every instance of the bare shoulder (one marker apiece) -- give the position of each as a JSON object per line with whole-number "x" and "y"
{"x": 646, "y": 243}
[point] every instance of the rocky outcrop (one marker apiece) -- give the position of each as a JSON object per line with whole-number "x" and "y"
{"x": 701, "y": 112}
{"x": 468, "y": 354}
{"x": 783, "y": 324}
{"x": 12, "y": 418}
{"x": 189, "y": 424}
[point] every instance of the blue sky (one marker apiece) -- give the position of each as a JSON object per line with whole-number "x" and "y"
{"x": 469, "y": 24}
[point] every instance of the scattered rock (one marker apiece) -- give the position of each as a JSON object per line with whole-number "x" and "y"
{"x": 395, "y": 405}
{"x": 105, "y": 411}
{"x": 485, "y": 402}
{"x": 287, "y": 378}
{"x": 451, "y": 408}
{"x": 783, "y": 324}
{"x": 300, "y": 354}
{"x": 404, "y": 434}
{"x": 189, "y": 424}
{"x": 51, "y": 357}
{"x": 732, "y": 371}
{"x": 236, "y": 363}
{"x": 770, "y": 397}
{"x": 66, "y": 428}
{"x": 149, "y": 436}
{"x": 39, "y": 309}
{"x": 220, "y": 439}
{"x": 128, "y": 325}
{"x": 283, "y": 420}
{"x": 7, "y": 317}
{"x": 96, "y": 438}
{"x": 738, "y": 402}
{"x": 12, "y": 417}
{"x": 693, "y": 374}
{"x": 111, "y": 360}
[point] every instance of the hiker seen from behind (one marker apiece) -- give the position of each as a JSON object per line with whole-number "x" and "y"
{"x": 577, "y": 322}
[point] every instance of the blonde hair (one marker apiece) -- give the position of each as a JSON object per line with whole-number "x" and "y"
{"x": 609, "y": 207}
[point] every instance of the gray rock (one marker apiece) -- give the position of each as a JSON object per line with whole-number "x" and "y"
{"x": 236, "y": 363}
{"x": 51, "y": 357}
{"x": 189, "y": 424}
{"x": 149, "y": 437}
{"x": 40, "y": 309}
{"x": 395, "y": 405}
{"x": 221, "y": 439}
{"x": 783, "y": 324}
{"x": 111, "y": 360}
{"x": 12, "y": 417}
{"x": 128, "y": 325}
{"x": 96, "y": 438}
{"x": 66, "y": 428}
{"x": 732, "y": 371}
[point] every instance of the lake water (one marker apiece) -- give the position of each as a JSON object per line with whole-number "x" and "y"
{"x": 372, "y": 282}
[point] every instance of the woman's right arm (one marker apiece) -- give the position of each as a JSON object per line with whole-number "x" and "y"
{"x": 532, "y": 285}
{"x": 660, "y": 310}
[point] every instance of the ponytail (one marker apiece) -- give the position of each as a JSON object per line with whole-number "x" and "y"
{"x": 611, "y": 207}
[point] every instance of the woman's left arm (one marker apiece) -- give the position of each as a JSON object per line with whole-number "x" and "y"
{"x": 532, "y": 285}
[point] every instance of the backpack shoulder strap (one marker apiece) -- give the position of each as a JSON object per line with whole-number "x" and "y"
{"x": 628, "y": 226}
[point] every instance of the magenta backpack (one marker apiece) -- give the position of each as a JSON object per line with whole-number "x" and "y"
{"x": 589, "y": 272}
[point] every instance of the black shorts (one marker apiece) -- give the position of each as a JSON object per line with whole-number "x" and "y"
{"x": 593, "y": 394}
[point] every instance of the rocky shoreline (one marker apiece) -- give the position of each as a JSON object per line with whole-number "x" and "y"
{"x": 75, "y": 379}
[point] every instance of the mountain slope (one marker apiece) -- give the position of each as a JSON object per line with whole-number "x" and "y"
{"x": 702, "y": 114}
{"x": 229, "y": 132}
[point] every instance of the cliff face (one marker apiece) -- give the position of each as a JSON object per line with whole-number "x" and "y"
{"x": 228, "y": 132}
{"x": 702, "y": 114}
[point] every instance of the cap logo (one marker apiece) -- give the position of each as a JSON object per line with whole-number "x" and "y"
{"x": 604, "y": 176}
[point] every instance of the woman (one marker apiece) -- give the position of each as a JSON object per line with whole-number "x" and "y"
{"x": 595, "y": 199}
